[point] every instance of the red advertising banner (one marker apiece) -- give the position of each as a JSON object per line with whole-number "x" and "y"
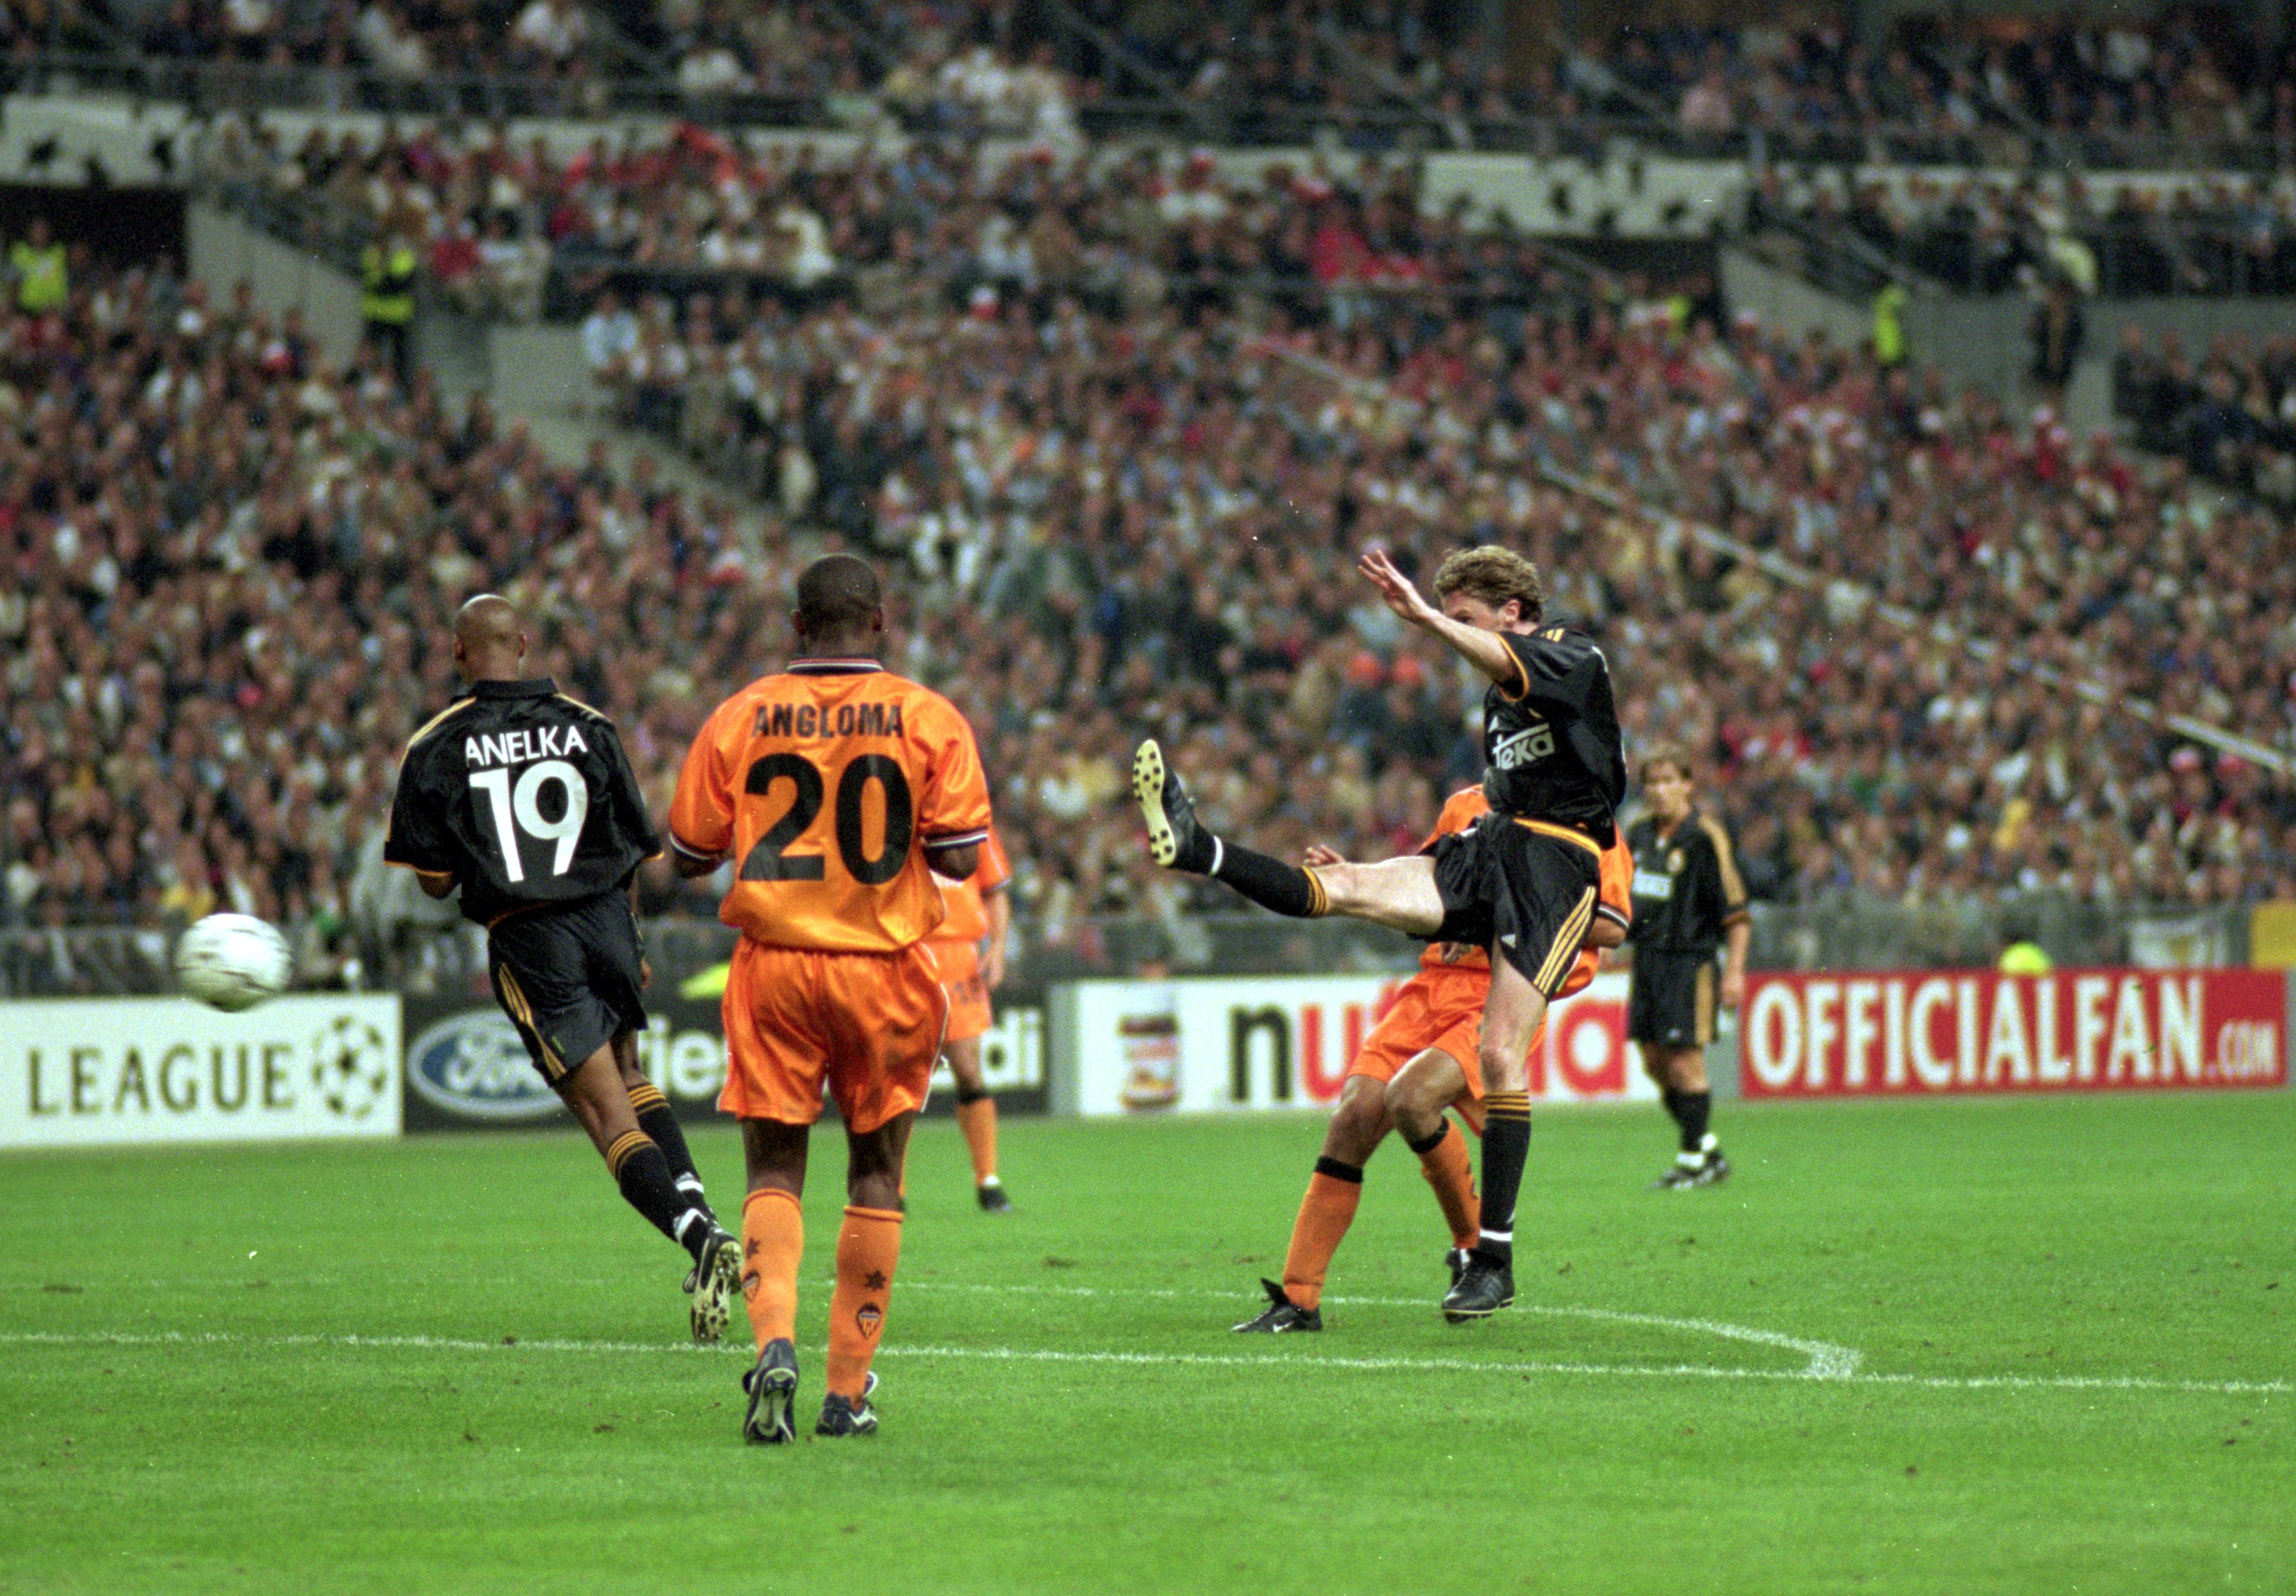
{"x": 1918, "y": 1032}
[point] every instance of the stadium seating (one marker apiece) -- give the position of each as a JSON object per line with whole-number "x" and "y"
{"x": 1122, "y": 421}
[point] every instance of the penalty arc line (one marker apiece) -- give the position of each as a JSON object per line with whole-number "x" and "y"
{"x": 1826, "y": 1360}
{"x": 92, "y": 1338}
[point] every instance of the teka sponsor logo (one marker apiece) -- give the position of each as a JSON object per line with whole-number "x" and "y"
{"x": 473, "y": 1065}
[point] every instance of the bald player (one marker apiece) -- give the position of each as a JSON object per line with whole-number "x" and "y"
{"x": 523, "y": 800}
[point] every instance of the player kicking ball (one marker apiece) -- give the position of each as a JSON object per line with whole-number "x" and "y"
{"x": 842, "y": 789}
{"x": 1521, "y": 883}
{"x": 1419, "y": 1061}
{"x": 523, "y": 798}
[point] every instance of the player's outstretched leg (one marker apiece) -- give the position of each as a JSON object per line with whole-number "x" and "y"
{"x": 1399, "y": 893}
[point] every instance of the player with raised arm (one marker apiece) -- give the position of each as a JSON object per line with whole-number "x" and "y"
{"x": 1522, "y": 882}
{"x": 969, "y": 946}
{"x": 1419, "y": 1061}
{"x": 1689, "y": 900}
{"x": 842, "y": 791}
{"x": 522, "y": 797}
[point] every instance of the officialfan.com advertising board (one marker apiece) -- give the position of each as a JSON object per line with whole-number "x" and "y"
{"x": 89, "y": 1072}
{"x": 1925, "y": 1032}
{"x": 466, "y": 1068}
{"x": 1205, "y": 1043}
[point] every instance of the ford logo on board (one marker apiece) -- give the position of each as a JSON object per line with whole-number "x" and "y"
{"x": 474, "y": 1066}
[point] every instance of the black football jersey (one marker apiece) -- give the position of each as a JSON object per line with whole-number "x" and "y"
{"x": 1551, "y": 746}
{"x": 523, "y": 795}
{"x": 1687, "y": 890}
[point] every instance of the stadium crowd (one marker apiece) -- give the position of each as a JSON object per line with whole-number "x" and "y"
{"x": 2214, "y": 235}
{"x": 232, "y": 566}
{"x": 2229, "y": 413}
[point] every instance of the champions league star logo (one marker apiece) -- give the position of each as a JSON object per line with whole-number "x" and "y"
{"x": 351, "y": 1067}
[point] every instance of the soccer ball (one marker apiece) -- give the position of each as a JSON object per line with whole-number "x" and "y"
{"x": 233, "y": 961}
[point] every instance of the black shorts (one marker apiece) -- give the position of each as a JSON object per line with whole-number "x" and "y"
{"x": 569, "y": 977}
{"x": 1670, "y": 999}
{"x": 1529, "y": 893}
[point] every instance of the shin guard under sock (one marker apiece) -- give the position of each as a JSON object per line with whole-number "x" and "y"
{"x": 868, "y": 1247}
{"x": 773, "y": 1245}
{"x": 1325, "y": 1213}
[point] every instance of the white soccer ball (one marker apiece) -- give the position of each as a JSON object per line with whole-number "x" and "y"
{"x": 233, "y": 962}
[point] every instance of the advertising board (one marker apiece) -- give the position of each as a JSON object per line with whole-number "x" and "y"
{"x": 466, "y": 1068}
{"x": 1208, "y": 1043}
{"x": 1917, "y": 1032}
{"x": 88, "y": 1072}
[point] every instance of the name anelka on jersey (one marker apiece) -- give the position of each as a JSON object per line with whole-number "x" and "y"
{"x": 523, "y": 745}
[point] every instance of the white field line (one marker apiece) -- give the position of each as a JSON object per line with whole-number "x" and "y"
{"x": 1826, "y": 1361}
{"x": 1276, "y": 1364}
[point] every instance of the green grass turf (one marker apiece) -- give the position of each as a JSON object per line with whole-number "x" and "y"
{"x": 2144, "y": 1238}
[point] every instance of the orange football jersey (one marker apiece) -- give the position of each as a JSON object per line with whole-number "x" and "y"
{"x": 1615, "y": 900}
{"x": 825, "y": 783}
{"x": 968, "y": 915}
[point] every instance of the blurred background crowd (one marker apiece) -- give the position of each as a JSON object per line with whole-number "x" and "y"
{"x": 1117, "y": 422}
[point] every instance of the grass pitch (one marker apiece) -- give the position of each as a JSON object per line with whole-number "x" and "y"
{"x": 2015, "y": 1345}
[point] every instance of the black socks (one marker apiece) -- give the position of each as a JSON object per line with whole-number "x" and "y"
{"x": 1506, "y": 1149}
{"x": 658, "y": 1121}
{"x": 642, "y": 1173}
{"x": 1691, "y": 1111}
{"x": 1267, "y": 881}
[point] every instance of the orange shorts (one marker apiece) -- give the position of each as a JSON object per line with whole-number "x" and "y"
{"x": 1440, "y": 1009}
{"x": 867, "y": 1025}
{"x": 968, "y": 994}
{"x": 1437, "y": 1009}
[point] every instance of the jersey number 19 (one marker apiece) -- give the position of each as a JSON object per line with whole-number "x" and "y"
{"x": 518, "y": 812}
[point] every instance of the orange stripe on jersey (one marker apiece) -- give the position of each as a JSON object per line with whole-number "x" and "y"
{"x": 1614, "y": 897}
{"x": 968, "y": 914}
{"x": 825, "y": 783}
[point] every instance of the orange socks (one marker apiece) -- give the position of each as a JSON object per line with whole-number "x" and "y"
{"x": 1444, "y": 1162}
{"x": 868, "y": 1247}
{"x": 978, "y": 1120}
{"x": 772, "y": 1242}
{"x": 1327, "y": 1210}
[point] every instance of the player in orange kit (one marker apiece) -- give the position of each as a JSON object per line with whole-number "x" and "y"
{"x": 969, "y": 946}
{"x": 840, "y": 789}
{"x": 1420, "y": 1060}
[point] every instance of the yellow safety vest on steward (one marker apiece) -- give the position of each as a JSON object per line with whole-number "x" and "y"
{"x": 387, "y": 284}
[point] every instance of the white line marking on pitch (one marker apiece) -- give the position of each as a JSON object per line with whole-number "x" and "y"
{"x": 1826, "y": 1361}
{"x": 1191, "y": 1359}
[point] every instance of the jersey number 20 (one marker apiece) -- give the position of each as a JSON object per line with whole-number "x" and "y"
{"x": 767, "y": 862}
{"x": 520, "y": 810}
